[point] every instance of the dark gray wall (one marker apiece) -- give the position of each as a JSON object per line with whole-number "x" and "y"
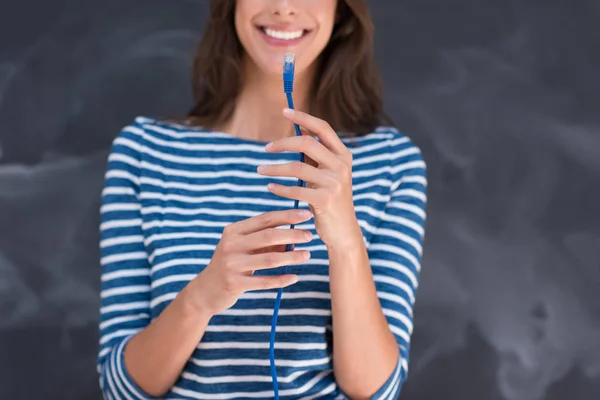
{"x": 501, "y": 95}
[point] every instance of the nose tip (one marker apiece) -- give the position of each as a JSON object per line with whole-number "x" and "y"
{"x": 283, "y": 7}
{"x": 284, "y": 12}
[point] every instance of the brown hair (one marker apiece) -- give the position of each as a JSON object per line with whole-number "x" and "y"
{"x": 347, "y": 89}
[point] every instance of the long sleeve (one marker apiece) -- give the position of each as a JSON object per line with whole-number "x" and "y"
{"x": 125, "y": 278}
{"x": 395, "y": 253}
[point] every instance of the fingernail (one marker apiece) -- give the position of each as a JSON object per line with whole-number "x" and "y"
{"x": 288, "y": 111}
{"x": 260, "y": 168}
{"x": 294, "y": 279}
{"x": 308, "y": 235}
{"x": 269, "y": 146}
{"x": 306, "y": 255}
{"x": 270, "y": 186}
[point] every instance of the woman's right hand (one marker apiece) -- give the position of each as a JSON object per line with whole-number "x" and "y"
{"x": 246, "y": 246}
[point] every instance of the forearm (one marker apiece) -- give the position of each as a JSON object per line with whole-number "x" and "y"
{"x": 365, "y": 352}
{"x": 156, "y": 356}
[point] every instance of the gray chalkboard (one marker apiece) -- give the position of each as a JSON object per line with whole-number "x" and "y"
{"x": 503, "y": 97}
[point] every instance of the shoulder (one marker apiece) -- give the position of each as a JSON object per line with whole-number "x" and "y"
{"x": 155, "y": 137}
{"x": 390, "y": 146}
{"x": 408, "y": 170}
{"x": 127, "y": 141}
{"x": 152, "y": 130}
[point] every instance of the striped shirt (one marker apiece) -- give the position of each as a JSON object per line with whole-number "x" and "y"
{"x": 169, "y": 192}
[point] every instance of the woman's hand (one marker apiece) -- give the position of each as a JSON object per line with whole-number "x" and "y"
{"x": 328, "y": 176}
{"x": 246, "y": 246}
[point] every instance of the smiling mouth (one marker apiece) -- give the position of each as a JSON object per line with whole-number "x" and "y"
{"x": 284, "y": 35}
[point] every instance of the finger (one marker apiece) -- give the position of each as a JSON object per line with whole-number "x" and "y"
{"x": 305, "y": 131}
{"x": 269, "y": 282}
{"x": 257, "y": 262}
{"x": 321, "y": 128}
{"x": 307, "y": 145}
{"x": 307, "y": 195}
{"x": 273, "y": 237}
{"x": 269, "y": 219}
{"x": 296, "y": 169}
{"x": 307, "y": 158}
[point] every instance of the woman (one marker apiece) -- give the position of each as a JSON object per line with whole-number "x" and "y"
{"x": 190, "y": 230}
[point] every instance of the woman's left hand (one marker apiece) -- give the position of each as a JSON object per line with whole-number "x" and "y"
{"x": 328, "y": 176}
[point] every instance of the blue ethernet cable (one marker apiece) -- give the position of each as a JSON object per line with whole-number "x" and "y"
{"x": 288, "y": 87}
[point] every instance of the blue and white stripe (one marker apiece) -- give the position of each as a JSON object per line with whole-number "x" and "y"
{"x": 169, "y": 192}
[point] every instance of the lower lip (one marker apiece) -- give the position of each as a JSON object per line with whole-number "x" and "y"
{"x": 280, "y": 42}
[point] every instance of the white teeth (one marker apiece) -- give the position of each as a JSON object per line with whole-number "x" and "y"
{"x": 281, "y": 35}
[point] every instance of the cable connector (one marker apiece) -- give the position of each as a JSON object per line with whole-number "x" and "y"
{"x": 289, "y": 62}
